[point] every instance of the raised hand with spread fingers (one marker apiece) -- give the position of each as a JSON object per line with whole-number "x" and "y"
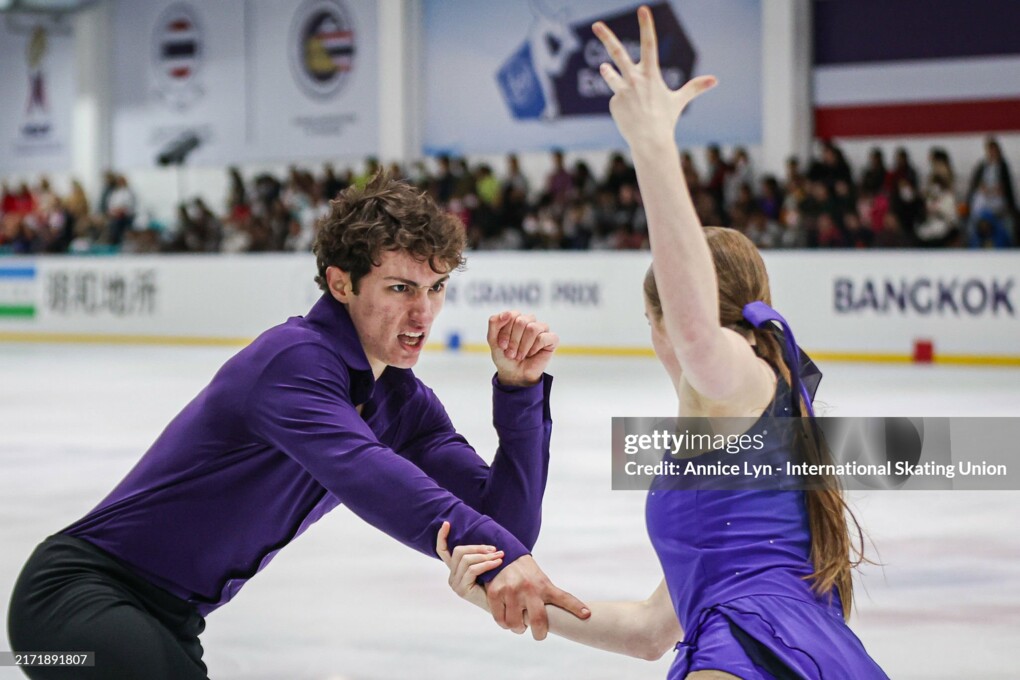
{"x": 643, "y": 106}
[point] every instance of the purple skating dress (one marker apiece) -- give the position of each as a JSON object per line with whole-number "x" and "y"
{"x": 735, "y": 563}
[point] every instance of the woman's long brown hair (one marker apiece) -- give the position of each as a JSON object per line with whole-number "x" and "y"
{"x": 742, "y": 279}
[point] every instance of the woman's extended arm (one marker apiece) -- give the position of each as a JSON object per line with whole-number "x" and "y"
{"x": 645, "y": 629}
{"x": 717, "y": 362}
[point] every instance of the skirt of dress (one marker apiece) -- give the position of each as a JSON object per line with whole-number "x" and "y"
{"x": 772, "y": 637}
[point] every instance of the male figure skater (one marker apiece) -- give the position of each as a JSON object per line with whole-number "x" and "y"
{"x": 318, "y": 411}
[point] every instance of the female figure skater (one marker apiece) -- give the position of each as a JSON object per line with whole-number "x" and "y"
{"x": 757, "y": 582}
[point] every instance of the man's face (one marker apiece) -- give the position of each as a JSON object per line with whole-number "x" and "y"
{"x": 394, "y": 308}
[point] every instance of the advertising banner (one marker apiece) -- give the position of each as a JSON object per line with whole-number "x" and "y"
{"x": 314, "y": 78}
{"x": 179, "y": 80}
{"x": 38, "y": 89}
{"x": 963, "y": 307}
{"x": 525, "y": 75}
{"x": 238, "y": 81}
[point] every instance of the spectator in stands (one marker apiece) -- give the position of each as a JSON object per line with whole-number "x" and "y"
{"x": 892, "y": 234}
{"x": 628, "y": 238}
{"x": 297, "y": 195}
{"x": 278, "y": 223}
{"x": 445, "y": 182}
{"x": 794, "y": 176}
{"x": 331, "y": 183}
{"x": 77, "y": 203}
{"x": 690, "y": 170}
{"x": 831, "y": 167}
{"x": 939, "y": 227}
{"x": 743, "y": 199}
{"x": 817, "y": 202}
{"x": 18, "y": 238}
{"x": 46, "y": 200}
{"x": 109, "y": 185}
{"x": 198, "y": 229}
{"x": 873, "y": 178}
{"x": 238, "y": 204}
{"x": 989, "y": 233}
{"x": 716, "y": 172}
{"x": 262, "y": 232}
{"x": 515, "y": 179}
{"x": 267, "y": 192}
{"x": 583, "y": 183}
{"x": 990, "y": 195}
{"x": 940, "y": 165}
{"x": 770, "y": 201}
{"x": 21, "y": 202}
{"x": 120, "y": 209}
{"x": 578, "y": 225}
{"x": 902, "y": 169}
{"x": 619, "y": 173}
{"x": 559, "y": 184}
{"x": 87, "y": 233}
{"x": 465, "y": 184}
{"x": 302, "y": 228}
{"x": 856, "y": 234}
{"x": 740, "y": 174}
{"x": 764, "y": 232}
{"x": 792, "y": 234}
{"x": 487, "y": 186}
{"x": 494, "y": 208}
{"x": 630, "y": 225}
{"x": 514, "y": 199}
{"x": 6, "y": 198}
{"x": 828, "y": 234}
{"x": 708, "y": 210}
{"x": 54, "y": 225}
{"x": 237, "y": 234}
{"x": 907, "y": 204}
{"x": 871, "y": 208}
{"x": 540, "y": 227}
{"x": 844, "y": 200}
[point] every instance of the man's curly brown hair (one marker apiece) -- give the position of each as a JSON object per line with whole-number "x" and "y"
{"x": 386, "y": 214}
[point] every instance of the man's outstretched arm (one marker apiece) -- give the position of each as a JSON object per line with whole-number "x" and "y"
{"x": 511, "y": 489}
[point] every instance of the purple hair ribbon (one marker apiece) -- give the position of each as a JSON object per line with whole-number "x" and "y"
{"x": 758, "y": 314}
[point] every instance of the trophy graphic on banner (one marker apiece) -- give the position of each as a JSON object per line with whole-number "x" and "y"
{"x": 37, "y": 124}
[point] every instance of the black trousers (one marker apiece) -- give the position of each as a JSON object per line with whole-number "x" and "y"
{"x": 73, "y": 597}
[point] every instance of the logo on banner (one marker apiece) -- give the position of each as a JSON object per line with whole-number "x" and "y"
{"x": 90, "y": 292}
{"x": 17, "y": 292}
{"x": 37, "y": 112}
{"x": 974, "y": 296}
{"x": 322, "y": 47}
{"x": 177, "y": 45}
{"x": 555, "y": 72}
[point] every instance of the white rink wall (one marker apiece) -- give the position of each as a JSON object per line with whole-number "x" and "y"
{"x": 865, "y": 306}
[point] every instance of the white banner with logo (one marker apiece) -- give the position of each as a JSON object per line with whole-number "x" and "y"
{"x": 524, "y": 75}
{"x": 237, "y": 81}
{"x": 857, "y": 305}
{"x": 170, "y": 298}
{"x": 179, "y": 79}
{"x": 37, "y": 90}
{"x": 314, "y": 78}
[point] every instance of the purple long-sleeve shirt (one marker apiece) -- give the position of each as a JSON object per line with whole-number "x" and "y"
{"x": 275, "y": 442}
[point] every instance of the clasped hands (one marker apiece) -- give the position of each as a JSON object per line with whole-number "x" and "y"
{"x": 517, "y": 597}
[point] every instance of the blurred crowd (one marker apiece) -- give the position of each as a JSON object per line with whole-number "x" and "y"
{"x": 824, "y": 203}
